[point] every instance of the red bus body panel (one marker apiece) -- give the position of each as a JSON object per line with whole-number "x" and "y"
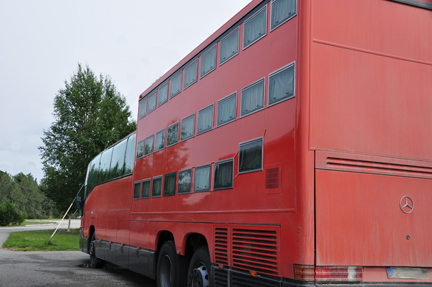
{"x": 354, "y": 140}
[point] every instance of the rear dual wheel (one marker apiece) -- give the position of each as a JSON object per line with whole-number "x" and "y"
{"x": 199, "y": 273}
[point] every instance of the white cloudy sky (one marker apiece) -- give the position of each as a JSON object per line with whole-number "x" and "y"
{"x": 42, "y": 42}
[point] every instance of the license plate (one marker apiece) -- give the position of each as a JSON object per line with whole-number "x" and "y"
{"x": 407, "y": 273}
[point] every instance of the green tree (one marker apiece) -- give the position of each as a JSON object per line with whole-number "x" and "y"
{"x": 90, "y": 115}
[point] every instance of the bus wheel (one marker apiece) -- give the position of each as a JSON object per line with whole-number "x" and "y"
{"x": 199, "y": 274}
{"x": 171, "y": 268}
{"x": 94, "y": 261}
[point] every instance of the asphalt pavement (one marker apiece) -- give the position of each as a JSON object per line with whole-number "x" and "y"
{"x": 59, "y": 268}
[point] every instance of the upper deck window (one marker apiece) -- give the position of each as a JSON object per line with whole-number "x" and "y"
{"x": 151, "y": 102}
{"x": 205, "y": 119}
{"x": 143, "y": 107}
{"x": 208, "y": 61}
{"x": 148, "y": 145}
{"x": 175, "y": 87}
{"x": 281, "y": 85}
{"x": 187, "y": 127}
{"x": 226, "y": 111}
{"x": 282, "y": 11}
{"x": 160, "y": 140}
{"x": 255, "y": 27}
{"x": 163, "y": 95}
{"x": 229, "y": 46}
{"x": 190, "y": 74}
{"x": 172, "y": 137}
{"x": 252, "y": 98}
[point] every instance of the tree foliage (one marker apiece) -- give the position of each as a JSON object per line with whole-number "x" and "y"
{"x": 22, "y": 192}
{"x": 90, "y": 115}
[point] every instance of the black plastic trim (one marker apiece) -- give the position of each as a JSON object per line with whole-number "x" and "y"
{"x": 415, "y": 3}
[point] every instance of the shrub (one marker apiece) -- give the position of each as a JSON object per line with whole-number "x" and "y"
{"x": 8, "y": 214}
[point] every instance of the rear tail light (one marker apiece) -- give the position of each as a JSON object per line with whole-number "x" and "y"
{"x": 328, "y": 273}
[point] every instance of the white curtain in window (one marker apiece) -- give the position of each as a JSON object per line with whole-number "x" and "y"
{"x": 281, "y": 10}
{"x": 160, "y": 140}
{"x": 205, "y": 119}
{"x": 202, "y": 178}
{"x": 163, "y": 95}
{"x": 208, "y": 61}
{"x": 157, "y": 187}
{"x": 170, "y": 182}
{"x": 175, "y": 87}
{"x": 224, "y": 175}
{"x": 190, "y": 74}
{"x": 187, "y": 129}
{"x": 252, "y": 98}
{"x": 145, "y": 189}
{"x": 229, "y": 46}
{"x": 255, "y": 28}
{"x": 227, "y": 110}
{"x": 281, "y": 85}
{"x": 152, "y": 102}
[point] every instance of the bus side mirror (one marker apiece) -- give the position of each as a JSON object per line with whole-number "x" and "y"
{"x": 78, "y": 202}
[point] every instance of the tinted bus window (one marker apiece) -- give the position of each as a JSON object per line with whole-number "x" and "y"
{"x": 130, "y": 153}
{"x": 105, "y": 166}
{"x": 118, "y": 160}
{"x": 93, "y": 174}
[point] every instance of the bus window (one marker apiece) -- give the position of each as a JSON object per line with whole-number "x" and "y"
{"x": 130, "y": 153}
{"x": 118, "y": 160}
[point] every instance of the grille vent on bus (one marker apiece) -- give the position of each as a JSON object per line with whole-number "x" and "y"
{"x": 272, "y": 178}
{"x": 220, "y": 277}
{"x": 221, "y": 245}
{"x": 256, "y": 250}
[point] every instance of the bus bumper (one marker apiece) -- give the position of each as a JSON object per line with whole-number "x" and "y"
{"x": 83, "y": 242}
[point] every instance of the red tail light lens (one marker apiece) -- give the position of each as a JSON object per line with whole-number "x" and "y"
{"x": 328, "y": 273}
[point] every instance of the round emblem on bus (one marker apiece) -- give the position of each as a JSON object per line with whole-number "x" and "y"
{"x": 406, "y": 204}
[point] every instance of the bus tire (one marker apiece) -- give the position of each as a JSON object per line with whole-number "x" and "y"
{"x": 199, "y": 273}
{"x": 171, "y": 268}
{"x": 94, "y": 261}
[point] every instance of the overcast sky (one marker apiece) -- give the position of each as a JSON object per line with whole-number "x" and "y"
{"x": 42, "y": 42}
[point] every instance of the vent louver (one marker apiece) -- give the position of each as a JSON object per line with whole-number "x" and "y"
{"x": 272, "y": 178}
{"x": 256, "y": 250}
{"x": 221, "y": 246}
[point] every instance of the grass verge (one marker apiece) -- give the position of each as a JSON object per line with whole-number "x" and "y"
{"x": 36, "y": 240}
{"x": 36, "y": 222}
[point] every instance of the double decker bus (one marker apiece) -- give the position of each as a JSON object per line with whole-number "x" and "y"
{"x": 293, "y": 147}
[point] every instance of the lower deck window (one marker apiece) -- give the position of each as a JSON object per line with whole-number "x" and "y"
{"x": 184, "y": 181}
{"x": 170, "y": 184}
{"x": 137, "y": 189}
{"x": 157, "y": 186}
{"x": 251, "y": 156}
{"x": 202, "y": 178}
{"x": 145, "y": 191}
{"x": 224, "y": 174}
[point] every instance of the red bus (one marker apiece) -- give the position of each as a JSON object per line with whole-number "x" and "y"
{"x": 292, "y": 147}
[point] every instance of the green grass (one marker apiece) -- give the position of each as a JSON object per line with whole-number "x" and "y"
{"x": 37, "y": 241}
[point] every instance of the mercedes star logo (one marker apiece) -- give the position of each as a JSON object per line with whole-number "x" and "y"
{"x": 406, "y": 204}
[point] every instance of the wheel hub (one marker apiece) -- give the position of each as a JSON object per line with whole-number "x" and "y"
{"x": 199, "y": 277}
